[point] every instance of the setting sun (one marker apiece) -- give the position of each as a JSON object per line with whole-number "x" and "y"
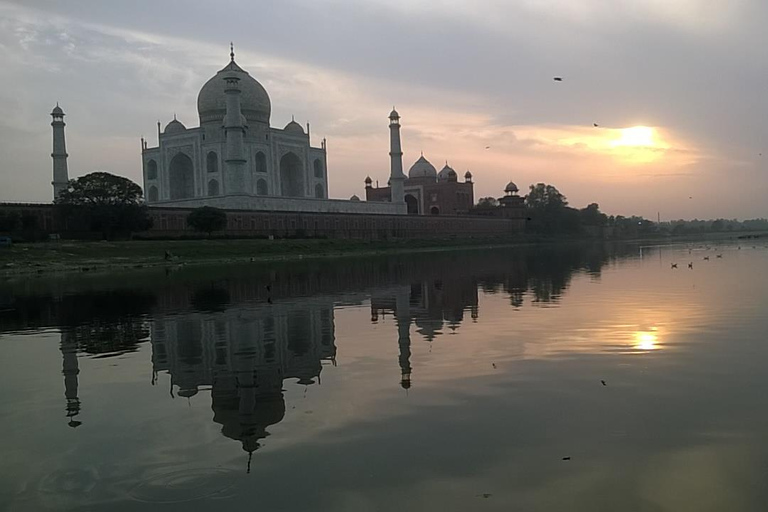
{"x": 637, "y": 136}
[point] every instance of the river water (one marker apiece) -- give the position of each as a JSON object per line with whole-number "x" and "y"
{"x": 547, "y": 378}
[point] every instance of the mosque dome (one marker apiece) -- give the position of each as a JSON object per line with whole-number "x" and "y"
{"x": 422, "y": 169}
{"x": 254, "y": 100}
{"x": 294, "y": 127}
{"x": 446, "y": 174}
{"x": 174, "y": 126}
{"x": 511, "y": 188}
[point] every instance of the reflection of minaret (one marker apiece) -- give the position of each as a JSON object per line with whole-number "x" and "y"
{"x": 71, "y": 369}
{"x": 403, "y": 319}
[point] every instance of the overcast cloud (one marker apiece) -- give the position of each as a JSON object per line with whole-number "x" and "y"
{"x": 463, "y": 74}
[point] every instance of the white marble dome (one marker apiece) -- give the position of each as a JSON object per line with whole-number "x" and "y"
{"x": 422, "y": 169}
{"x": 174, "y": 126}
{"x": 254, "y": 100}
{"x": 294, "y": 127}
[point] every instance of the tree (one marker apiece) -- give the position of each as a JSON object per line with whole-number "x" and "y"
{"x": 103, "y": 202}
{"x": 207, "y": 219}
{"x": 543, "y": 196}
{"x": 487, "y": 202}
{"x": 592, "y": 216}
{"x": 548, "y": 211}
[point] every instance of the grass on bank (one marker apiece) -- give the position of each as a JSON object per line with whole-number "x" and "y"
{"x": 79, "y": 255}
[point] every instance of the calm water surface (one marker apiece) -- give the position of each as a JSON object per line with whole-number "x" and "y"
{"x": 454, "y": 381}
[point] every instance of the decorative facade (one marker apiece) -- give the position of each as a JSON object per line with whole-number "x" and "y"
{"x": 236, "y": 160}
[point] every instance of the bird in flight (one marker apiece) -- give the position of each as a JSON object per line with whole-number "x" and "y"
{"x": 558, "y": 79}
{"x": 595, "y": 125}
{"x": 487, "y": 147}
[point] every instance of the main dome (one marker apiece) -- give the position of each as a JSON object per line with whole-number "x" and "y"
{"x": 254, "y": 100}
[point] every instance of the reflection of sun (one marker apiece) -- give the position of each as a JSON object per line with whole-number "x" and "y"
{"x": 646, "y": 340}
{"x": 637, "y": 136}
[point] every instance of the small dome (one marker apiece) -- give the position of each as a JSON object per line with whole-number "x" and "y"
{"x": 368, "y": 180}
{"x": 294, "y": 127}
{"x": 446, "y": 174}
{"x": 511, "y": 187}
{"x": 422, "y": 169}
{"x": 57, "y": 111}
{"x": 468, "y": 175}
{"x": 354, "y": 198}
{"x": 174, "y": 126}
{"x": 394, "y": 114}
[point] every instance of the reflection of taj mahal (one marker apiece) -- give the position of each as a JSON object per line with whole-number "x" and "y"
{"x": 242, "y": 355}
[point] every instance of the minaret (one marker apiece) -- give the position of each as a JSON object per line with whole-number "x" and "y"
{"x": 59, "y": 155}
{"x": 70, "y": 370}
{"x": 396, "y": 176}
{"x": 234, "y": 131}
{"x": 403, "y": 320}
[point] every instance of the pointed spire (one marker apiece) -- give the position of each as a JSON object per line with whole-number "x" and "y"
{"x": 174, "y": 116}
{"x": 232, "y": 51}
{"x": 292, "y": 119}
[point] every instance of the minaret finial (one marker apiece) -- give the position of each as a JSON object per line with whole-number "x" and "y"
{"x": 232, "y": 51}
{"x": 292, "y": 118}
{"x": 174, "y": 116}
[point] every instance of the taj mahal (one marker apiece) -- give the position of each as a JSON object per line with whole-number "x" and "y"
{"x": 235, "y": 160}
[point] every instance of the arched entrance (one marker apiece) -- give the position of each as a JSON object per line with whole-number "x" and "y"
{"x": 213, "y": 188}
{"x": 291, "y": 176}
{"x": 261, "y": 187}
{"x": 412, "y": 204}
{"x": 182, "y": 177}
{"x": 319, "y": 191}
{"x": 152, "y": 195}
{"x": 434, "y": 210}
{"x": 151, "y": 170}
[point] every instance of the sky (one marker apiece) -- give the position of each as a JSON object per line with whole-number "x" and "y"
{"x": 676, "y": 87}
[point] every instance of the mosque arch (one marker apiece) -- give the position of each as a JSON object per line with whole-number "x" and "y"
{"x": 434, "y": 210}
{"x": 151, "y": 170}
{"x": 261, "y": 162}
{"x": 412, "y": 204}
{"x": 318, "y": 165}
{"x": 212, "y": 162}
{"x": 261, "y": 187}
{"x": 319, "y": 191}
{"x": 152, "y": 194}
{"x": 182, "y": 177}
{"x": 213, "y": 188}
{"x": 291, "y": 176}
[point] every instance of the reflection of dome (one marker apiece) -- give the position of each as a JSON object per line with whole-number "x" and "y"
{"x": 511, "y": 187}
{"x": 294, "y": 127}
{"x": 422, "y": 169}
{"x": 254, "y": 100}
{"x": 174, "y": 126}
{"x": 446, "y": 174}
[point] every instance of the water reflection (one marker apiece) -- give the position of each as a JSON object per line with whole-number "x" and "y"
{"x": 241, "y": 355}
{"x": 236, "y": 335}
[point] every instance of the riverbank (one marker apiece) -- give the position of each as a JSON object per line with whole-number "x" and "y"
{"x": 79, "y": 256}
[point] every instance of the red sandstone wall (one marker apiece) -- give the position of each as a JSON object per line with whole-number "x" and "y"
{"x": 173, "y": 222}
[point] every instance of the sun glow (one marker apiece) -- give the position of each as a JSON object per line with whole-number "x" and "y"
{"x": 637, "y": 136}
{"x": 647, "y": 340}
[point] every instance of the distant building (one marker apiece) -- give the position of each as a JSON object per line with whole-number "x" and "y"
{"x": 428, "y": 192}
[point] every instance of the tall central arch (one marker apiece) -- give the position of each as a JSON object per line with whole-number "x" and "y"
{"x": 291, "y": 176}
{"x": 182, "y": 177}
